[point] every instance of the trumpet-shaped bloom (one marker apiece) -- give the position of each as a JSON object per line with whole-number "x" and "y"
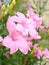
{"x": 16, "y": 41}
{"x": 21, "y": 30}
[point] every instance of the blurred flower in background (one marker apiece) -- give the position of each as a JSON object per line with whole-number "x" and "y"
{"x": 1, "y": 3}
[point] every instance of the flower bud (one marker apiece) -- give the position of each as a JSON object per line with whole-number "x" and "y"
{"x": 3, "y": 7}
{"x": 13, "y": 2}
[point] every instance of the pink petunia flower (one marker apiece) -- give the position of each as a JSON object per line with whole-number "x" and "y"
{"x": 16, "y": 41}
{"x": 21, "y": 30}
{"x": 26, "y": 24}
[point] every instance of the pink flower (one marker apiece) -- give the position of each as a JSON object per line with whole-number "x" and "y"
{"x": 1, "y": 39}
{"x": 26, "y": 24}
{"x": 16, "y": 41}
{"x": 22, "y": 30}
{"x": 38, "y": 53}
{"x": 46, "y": 53}
{"x": 35, "y": 17}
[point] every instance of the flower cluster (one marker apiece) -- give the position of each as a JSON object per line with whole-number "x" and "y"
{"x": 22, "y": 29}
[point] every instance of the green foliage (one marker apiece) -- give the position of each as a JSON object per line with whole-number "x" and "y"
{"x": 39, "y": 6}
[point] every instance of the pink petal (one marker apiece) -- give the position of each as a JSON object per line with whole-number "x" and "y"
{"x": 12, "y": 19}
{"x": 7, "y": 42}
{"x": 13, "y": 48}
{"x": 23, "y": 46}
{"x": 22, "y": 29}
{"x": 20, "y": 15}
{"x": 11, "y": 26}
